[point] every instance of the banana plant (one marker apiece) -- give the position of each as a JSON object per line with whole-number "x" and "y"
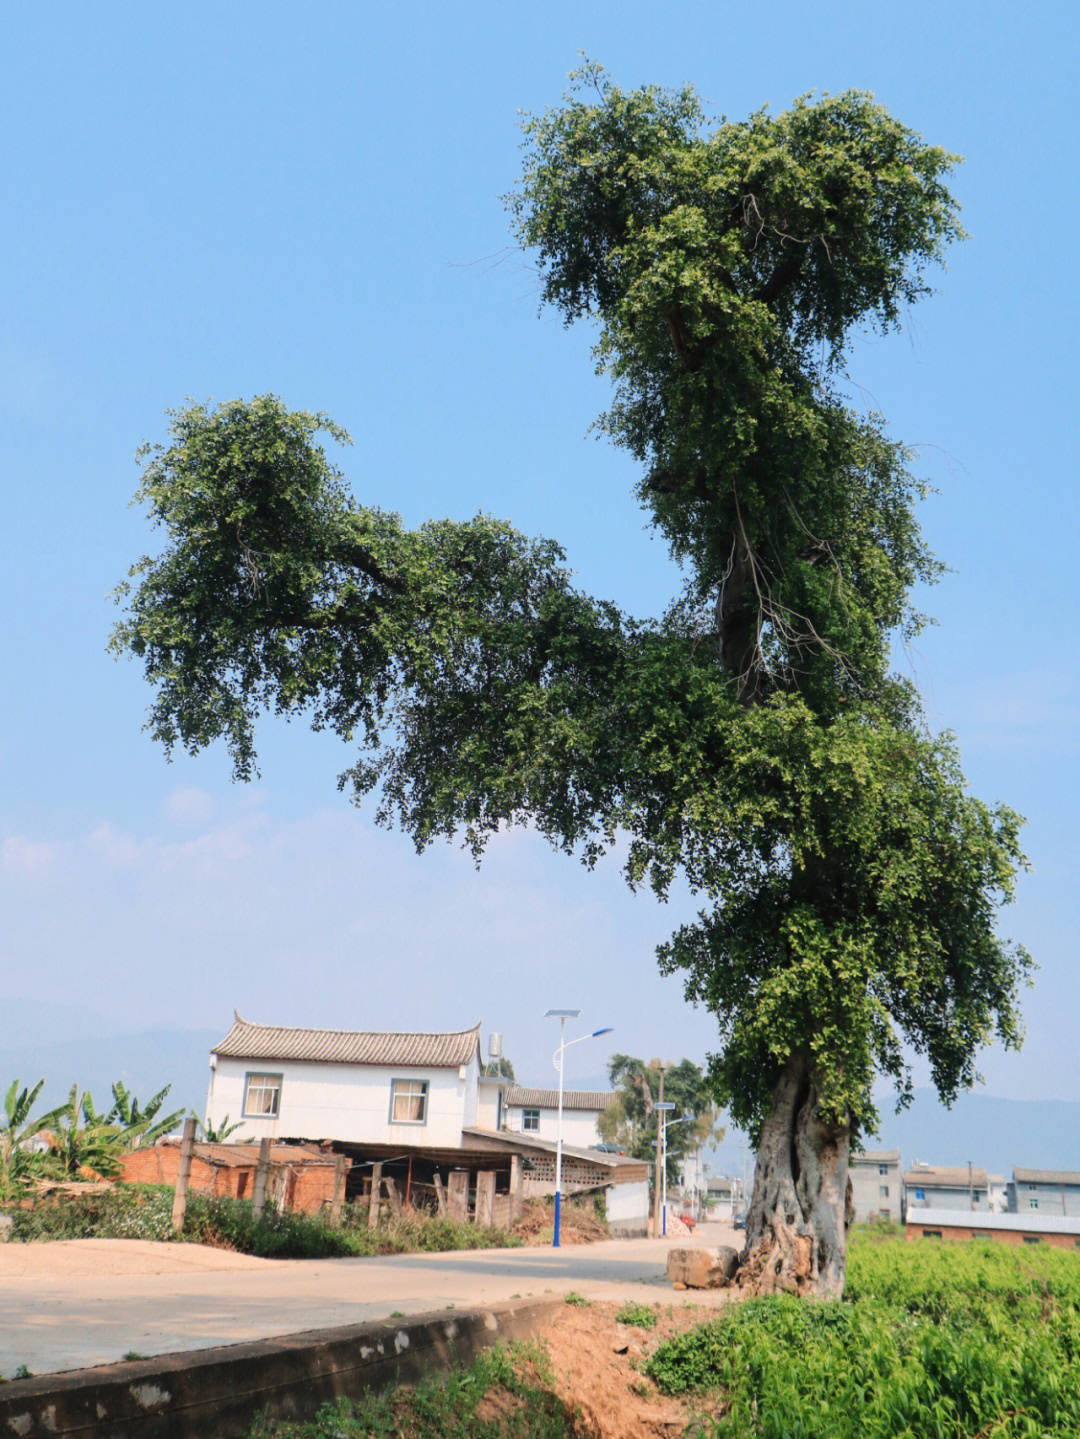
{"x": 83, "y": 1139}
{"x": 20, "y": 1164}
{"x": 140, "y": 1124}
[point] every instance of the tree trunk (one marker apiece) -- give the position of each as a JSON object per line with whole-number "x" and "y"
{"x": 796, "y": 1230}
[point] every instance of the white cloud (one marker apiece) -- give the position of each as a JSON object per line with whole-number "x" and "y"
{"x": 190, "y": 806}
{"x": 22, "y": 856}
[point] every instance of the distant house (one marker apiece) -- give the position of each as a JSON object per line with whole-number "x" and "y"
{"x": 534, "y": 1112}
{"x": 876, "y": 1185}
{"x": 931, "y": 1186}
{"x": 1045, "y": 1191}
{"x": 404, "y": 1088}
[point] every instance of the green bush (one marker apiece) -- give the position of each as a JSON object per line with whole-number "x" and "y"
{"x": 949, "y": 1342}
{"x": 639, "y": 1315}
{"x": 126, "y": 1212}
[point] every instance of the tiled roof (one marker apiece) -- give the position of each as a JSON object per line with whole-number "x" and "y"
{"x": 940, "y": 1178}
{"x": 518, "y": 1097}
{"x": 876, "y": 1156}
{"x": 1046, "y": 1176}
{"x": 342, "y": 1046}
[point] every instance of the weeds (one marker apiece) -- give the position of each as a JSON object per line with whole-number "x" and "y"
{"x": 638, "y": 1315}
{"x": 577, "y": 1300}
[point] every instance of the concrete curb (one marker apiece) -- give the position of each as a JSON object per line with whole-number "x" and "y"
{"x": 215, "y": 1393}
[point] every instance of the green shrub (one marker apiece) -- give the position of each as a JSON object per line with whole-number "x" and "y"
{"x": 231, "y": 1223}
{"x": 965, "y": 1339}
{"x": 126, "y": 1212}
{"x": 639, "y": 1315}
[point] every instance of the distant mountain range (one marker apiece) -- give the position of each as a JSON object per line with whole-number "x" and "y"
{"x": 146, "y": 1061}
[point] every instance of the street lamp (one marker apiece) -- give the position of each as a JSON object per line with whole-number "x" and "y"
{"x": 664, "y": 1109}
{"x": 562, "y": 1015}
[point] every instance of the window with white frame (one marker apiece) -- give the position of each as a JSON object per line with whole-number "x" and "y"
{"x": 408, "y": 1101}
{"x": 530, "y": 1120}
{"x": 883, "y": 1169}
{"x": 1033, "y": 1204}
{"x": 262, "y": 1096}
{"x": 883, "y": 1191}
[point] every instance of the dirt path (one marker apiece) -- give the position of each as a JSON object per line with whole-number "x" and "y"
{"x": 109, "y": 1258}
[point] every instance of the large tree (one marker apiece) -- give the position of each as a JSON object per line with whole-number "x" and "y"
{"x": 752, "y": 737}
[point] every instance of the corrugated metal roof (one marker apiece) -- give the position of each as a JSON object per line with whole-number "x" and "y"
{"x": 876, "y": 1156}
{"x": 518, "y": 1097}
{"x": 942, "y": 1178}
{"x": 340, "y": 1046}
{"x": 519, "y": 1142}
{"x": 1046, "y": 1176}
{"x": 981, "y": 1219}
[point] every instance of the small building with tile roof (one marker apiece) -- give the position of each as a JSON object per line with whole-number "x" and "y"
{"x": 1045, "y": 1191}
{"x": 416, "y": 1090}
{"x": 936, "y": 1186}
{"x": 534, "y": 1113}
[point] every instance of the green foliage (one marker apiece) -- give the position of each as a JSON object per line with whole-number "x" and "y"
{"x": 126, "y": 1212}
{"x": 971, "y": 1339}
{"x": 446, "y": 1407}
{"x": 638, "y": 1315}
{"x": 751, "y": 738}
{"x": 631, "y": 1121}
{"x": 576, "y": 1300}
{"x": 218, "y": 1133}
{"x": 20, "y": 1164}
{"x": 140, "y": 1124}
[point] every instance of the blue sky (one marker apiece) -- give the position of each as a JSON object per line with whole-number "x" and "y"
{"x": 220, "y": 200}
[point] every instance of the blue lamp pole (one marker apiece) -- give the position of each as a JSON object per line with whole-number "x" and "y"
{"x": 562, "y": 1015}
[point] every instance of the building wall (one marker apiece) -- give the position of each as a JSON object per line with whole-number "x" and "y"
{"x": 628, "y": 1209}
{"x": 935, "y": 1197}
{"x": 579, "y": 1126}
{"x": 867, "y": 1182}
{"x": 343, "y": 1102}
{"x": 1050, "y": 1198}
{"x": 303, "y": 1186}
{"x": 916, "y": 1230}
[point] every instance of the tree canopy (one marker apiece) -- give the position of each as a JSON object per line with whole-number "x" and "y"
{"x": 751, "y": 737}
{"x": 631, "y": 1122}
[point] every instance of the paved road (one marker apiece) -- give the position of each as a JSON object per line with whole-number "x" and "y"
{"x": 87, "y": 1302}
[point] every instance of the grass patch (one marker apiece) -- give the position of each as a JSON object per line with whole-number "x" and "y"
{"x": 971, "y": 1339}
{"x": 504, "y": 1392}
{"x": 638, "y": 1315}
{"x": 577, "y": 1300}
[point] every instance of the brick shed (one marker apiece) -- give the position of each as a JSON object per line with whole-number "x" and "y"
{"x": 1060, "y": 1230}
{"x": 301, "y": 1175}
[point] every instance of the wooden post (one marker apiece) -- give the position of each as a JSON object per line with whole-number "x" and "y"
{"x": 485, "y": 1198}
{"x": 408, "y": 1183}
{"x": 517, "y": 1182}
{"x": 457, "y": 1199}
{"x": 392, "y": 1194}
{"x": 183, "y": 1174}
{"x": 440, "y": 1193}
{"x": 341, "y": 1169}
{"x": 262, "y": 1171}
{"x": 376, "y": 1185}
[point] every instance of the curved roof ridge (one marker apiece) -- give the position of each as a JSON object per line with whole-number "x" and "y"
{"x": 412, "y": 1048}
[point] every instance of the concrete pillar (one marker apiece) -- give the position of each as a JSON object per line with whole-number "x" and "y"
{"x": 337, "y": 1199}
{"x": 376, "y": 1185}
{"x": 457, "y": 1199}
{"x": 485, "y": 1198}
{"x": 262, "y": 1173}
{"x": 183, "y": 1174}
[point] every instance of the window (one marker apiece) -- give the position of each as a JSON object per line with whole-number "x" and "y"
{"x": 1032, "y": 1239}
{"x": 883, "y": 1191}
{"x": 1033, "y": 1204}
{"x": 883, "y": 1169}
{"x": 931, "y": 1234}
{"x": 408, "y": 1101}
{"x": 262, "y": 1096}
{"x": 530, "y": 1120}
{"x": 976, "y": 1196}
{"x": 883, "y": 1214}
{"x": 920, "y": 1194}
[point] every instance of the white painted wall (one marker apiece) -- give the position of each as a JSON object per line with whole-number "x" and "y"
{"x": 488, "y": 1110}
{"x": 579, "y": 1126}
{"x": 344, "y": 1101}
{"x": 628, "y": 1206}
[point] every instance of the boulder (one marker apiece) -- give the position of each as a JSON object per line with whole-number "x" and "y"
{"x": 702, "y": 1268}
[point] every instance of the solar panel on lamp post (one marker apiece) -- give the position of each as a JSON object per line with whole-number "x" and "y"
{"x": 562, "y": 1015}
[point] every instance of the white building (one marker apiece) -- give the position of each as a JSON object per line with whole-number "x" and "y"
{"x": 875, "y": 1185}
{"x": 419, "y": 1090}
{"x": 534, "y": 1113}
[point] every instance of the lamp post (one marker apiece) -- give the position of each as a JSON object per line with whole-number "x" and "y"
{"x": 665, "y": 1109}
{"x": 562, "y": 1015}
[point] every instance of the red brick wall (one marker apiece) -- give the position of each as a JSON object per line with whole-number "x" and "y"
{"x": 307, "y": 1185}
{"x": 999, "y": 1236}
